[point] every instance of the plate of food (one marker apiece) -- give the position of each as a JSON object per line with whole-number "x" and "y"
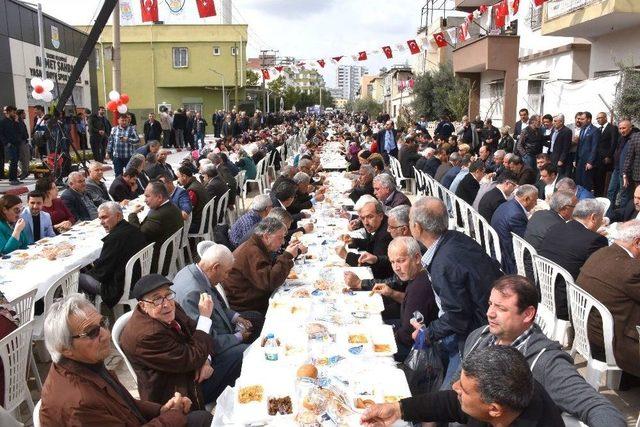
{"x": 383, "y": 341}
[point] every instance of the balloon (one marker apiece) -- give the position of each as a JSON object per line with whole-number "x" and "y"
{"x": 47, "y": 97}
{"x": 36, "y": 81}
{"x": 119, "y": 102}
{"x": 36, "y": 95}
{"x": 38, "y": 89}
{"x": 47, "y": 84}
{"x": 112, "y": 106}
{"x": 122, "y": 108}
{"x": 124, "y": 98}
{"x": 114, "y": 96}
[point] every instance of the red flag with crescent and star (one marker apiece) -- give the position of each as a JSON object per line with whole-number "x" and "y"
{"x": 413, "y": 47}
{"x": 440, "y": 40}
{"x": 206, "y": 8}
{"x": 265, "y": 74}
{"x": 279, "y": 69}
{"x": 539, "y": 2}
{"x": 362, "y": 56}
{"x": 321, "y": 62}
{"x": 337, "y": 58}
{"x": 149, "y": 9}
{"x": 387, "y": 51}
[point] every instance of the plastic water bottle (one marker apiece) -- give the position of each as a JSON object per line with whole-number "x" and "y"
{"x": 271, "y": 348}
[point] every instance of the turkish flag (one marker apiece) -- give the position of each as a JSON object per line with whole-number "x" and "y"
{"x": 149, "y": 10}
{"x": 413, "y": 47}
{"x": 539, "y": 2}
{"x": 463, "y": 33}
{"x": 321, "y": 62}
{"x": 206, "y": 8}
{"x": 337, "y": 58}
{"x": 279, "y": 69}
{"x": 387, "y": 51}
{"x": 483, "y": 9}
{"x": 265, "y": 74}
{"x": 440, "y": 40}
{"x": 515, "y": 5}
{"x": 362, "y": 56}
{"x": 469, "y": 18}
{"x": 502, "y": 10}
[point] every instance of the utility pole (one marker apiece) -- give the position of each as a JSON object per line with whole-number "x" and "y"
{"x": 41, "y": 37}
{"x": 235, "y": 86}
{"x": 268, "y": 58}
{"x": 116, "y": 49}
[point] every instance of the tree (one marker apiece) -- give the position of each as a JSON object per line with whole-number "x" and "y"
{"x": 441, "y": 92}
{"x": 367, "y": 104}
{"x": 627, "y": 102}
{"x": 301, "y": 99}
{"x": 252, "y": 78}
{"x": 277, "y": 85}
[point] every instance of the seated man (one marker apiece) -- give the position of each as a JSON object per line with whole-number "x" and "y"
{"x": 561, "y": 205}
{"x": 255, "y": 274}
{"x": 232, "y": 332}
{"x": 374, "y": 244}
{"x": 242, "y": 229}
{"x": 162, "y": 221}
{"x": 386, "y": 191}
{"x": 177, "y": 195}
{"x": 547, "y": 182}
{"x": 470, "y": 184}
{"x": 80, "y": 391}
{"x": 304, "y": 199}
{"x": 506, "y": 184}
{"x": 630, "y": 211}
{"x": 168, "y": 352}
{"x": 524, "y": 173}
{"x": 37, "y": 222}
{"x": 611, "y": 276}
{"x": 214, "y": 185}
{"x": 124, "y": 187}
{"x": 196, "y": 193}
{"x": 105, "y": 277}
{"x": 567, "y": 184}
{"x": 512, "y": 311}
{"x": 76, "y": 199}
{"x": 364, "y": 184}
{"x": 96, "y": 190}
{"x": 283, "y": 195}
{"x": 495, "y": 388}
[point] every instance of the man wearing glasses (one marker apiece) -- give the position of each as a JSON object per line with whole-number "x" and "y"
{"x": 79, "y": 389}
{"x": 169, "y": 351}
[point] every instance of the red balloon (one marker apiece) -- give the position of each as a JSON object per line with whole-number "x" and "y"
{"x": 112, "y": 106}
{"x": 119, "y": 102}
{"x": 124, "y": 98}
{"x": 38, "y": 89}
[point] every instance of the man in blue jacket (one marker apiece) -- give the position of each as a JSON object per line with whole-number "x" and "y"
{"x": 38, "y": 222}
{"x": 587, "y": 151}
{"x": 461, "y": 276}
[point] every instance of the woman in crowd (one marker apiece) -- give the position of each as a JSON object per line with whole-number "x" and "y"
{"x": 12, "y": 235}
{"x": 61, "y": 217}
{"x": 246, "y": 164}
{"x": 506, "y": 142}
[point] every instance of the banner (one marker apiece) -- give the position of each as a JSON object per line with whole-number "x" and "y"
{"x": 149, "y": 10}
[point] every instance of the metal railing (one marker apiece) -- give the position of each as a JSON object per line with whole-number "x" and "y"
{"x": 557, "y": 8}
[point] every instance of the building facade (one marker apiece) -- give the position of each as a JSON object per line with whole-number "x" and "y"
{"x": 395, "y": 89}
{"x": 307, "y": 80}
{"x": 20, "y": 58}
{"x": 178, "y": 66}
{"x": 348, "y": 80}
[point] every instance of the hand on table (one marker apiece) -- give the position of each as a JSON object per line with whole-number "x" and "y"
{"x": 247, "y": 325}
{"x": 344, "y": 214}
{"x": 346, "y": 239}
{"x": 308, "y": 228}
{"x": 177, "y": 402}
{"x": 63, "y": 226}
{"x": 382, "y": 289}
{"x": 381, "y": 415}
{"x": 205, "y": 305}
{"x": 367, "y": 258}
{"x": 136, "y": 209}
{"x": 341, "y": 251}
{"x": 294, "y": 249}
{"x": 354, "y": 224}
{"x": 204, "y": 373}
{"x": 352, "y": 280}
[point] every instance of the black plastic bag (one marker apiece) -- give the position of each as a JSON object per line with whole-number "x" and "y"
{"x": 423, "y": 367}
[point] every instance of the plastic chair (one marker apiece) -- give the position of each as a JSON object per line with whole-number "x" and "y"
{"x": 486, "y": 236}
{"x": 184, "y": 243}
{"x": 240, "y": 180}
{"x": 221, "y": 209}
{"x": 14, "y": 353}
{"x": 203, "y": 246}
{"x": 519, "y": 247}
{"x": 396, "y": 170}
{"x": 205, "y": 230}
{"x": 548, "y": 272}
{"x": 580, "y": 304}
{"x": 144, "y": 257}
{"x": 36, "y": 414}
{"x": 604, "y": 202}
{"x": 271, "y": 168}
{"x": 259, "y": 179}
{"x": 24, "y": 307}
{"x": 116, "y": 331}
{"x": 419, "y": 180}
{"x": 174, "y": 242}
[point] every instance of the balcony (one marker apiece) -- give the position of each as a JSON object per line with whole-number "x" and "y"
{"x": 471, "y": 5}
{"x": 589, "y": 18}
{"x": 489, "y": 52}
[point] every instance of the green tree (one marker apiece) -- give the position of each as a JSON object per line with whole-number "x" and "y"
{"x": 627, "y": 101}
{"x": 367, "y": 104}
{"x": 252, "y": 78}
{"x": 439, "y": 92}
{"x": 277, "y": 85}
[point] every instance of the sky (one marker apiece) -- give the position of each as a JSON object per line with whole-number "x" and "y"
{"x": 305, "y": 29}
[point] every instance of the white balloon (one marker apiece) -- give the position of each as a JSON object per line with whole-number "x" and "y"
{"x": 47, "y": 96}
{"x": 47, "y": 84}
{"x": 36, "y": 95}
{"x": 122, "y": 108}
{"x": 114, "y": 96}
{"x": 36, "y": 81}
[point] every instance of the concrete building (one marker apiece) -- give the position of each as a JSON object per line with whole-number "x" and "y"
{"x": 307, "y": 80}
{"x": 177, "y": 66}
{"x": 348, "y": 80}
{"x": 393, "y": 98}
{"x": 366, "y": 86}
{"x": 20, "y": 58}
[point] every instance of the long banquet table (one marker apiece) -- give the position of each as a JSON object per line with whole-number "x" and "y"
{"x": 317, "y": 323}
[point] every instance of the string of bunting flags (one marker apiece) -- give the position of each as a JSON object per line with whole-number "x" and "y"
{"x": 500, "y": 13}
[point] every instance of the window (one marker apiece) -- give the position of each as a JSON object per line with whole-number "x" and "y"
{"x": 535, "y": 17}
{"x": 216, "y": 51}
{"x": 234, "y": 51}
{"x": 180, "y": 57}
{"x": 195, "y": 106}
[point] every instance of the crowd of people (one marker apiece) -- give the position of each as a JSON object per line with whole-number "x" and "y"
{"x": 185, "y": 338}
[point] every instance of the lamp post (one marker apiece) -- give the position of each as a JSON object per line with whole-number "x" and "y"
{"x": 224, "y": 104}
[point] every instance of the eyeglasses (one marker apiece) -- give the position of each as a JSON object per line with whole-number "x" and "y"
{"x": 160, "y": 300}
{"x": 94, "y": 332}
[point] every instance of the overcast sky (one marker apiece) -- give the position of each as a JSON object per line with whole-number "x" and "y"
{"x": 305, "y": 29}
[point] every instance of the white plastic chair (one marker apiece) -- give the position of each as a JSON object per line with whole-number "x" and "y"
{"x": 486, "y": 236}
{"x": 223, "y": 294}
{"x": 604, "y": 202}
{"x": 116, "y": 331}
{"x": 220, "y": 210}
{"x": 271, "y": 168}
{"x": 259, "y": 179}
{"x": 144, "y": 257}
{"x": 174, "y": 242}
{"x": 580, "y": 305}
{"x": 548, "y": 272}
{"x": 24, "y": 307}
{"x": 203, "y": 246}
{"x": 240, "y": 180}
{"x": 36, "y": 414}
{"x": 14, "y": 353}
{"x": 205, "y": 230}
{"x": 184, "y": 243}
{"x": 520, "y": 246}
{"x": 419, "y": 181}
{"x": 396, "y": 170}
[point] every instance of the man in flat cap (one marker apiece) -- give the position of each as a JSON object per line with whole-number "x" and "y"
{"x": 169, "y": 352}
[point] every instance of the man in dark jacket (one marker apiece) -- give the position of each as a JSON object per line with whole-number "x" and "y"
{"x": 197, "y": 195}
{"x": 524, "y": 173}
{"x": 99, "y": 131}
{"x": 559, "y": 144}
{"x": 10, "y": 138}
{"x": 470, "y": 184}
{"x": 530, "y": 141}
{"x": 630, "y": 211}
{"x": 76, "y": 199}
{"x": 123, "y": 241}
{"x": 495, "y": 388}
{"x": 168, "y": 352}
{"x": 430, "y": 167}
{"x": 561, "y": 204}
{"x": 124, "y": 186}
{"x": 180, "y": 127}
{"x": 152, "y": 130}
{"x": 214, "y": 185}
{"x": 386, "y": 191}
{"x": 364, "y": 183}
{"x": 506, "y": 184}
{"x": 461, "y": 276}
{"x": 387, "y": 140}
